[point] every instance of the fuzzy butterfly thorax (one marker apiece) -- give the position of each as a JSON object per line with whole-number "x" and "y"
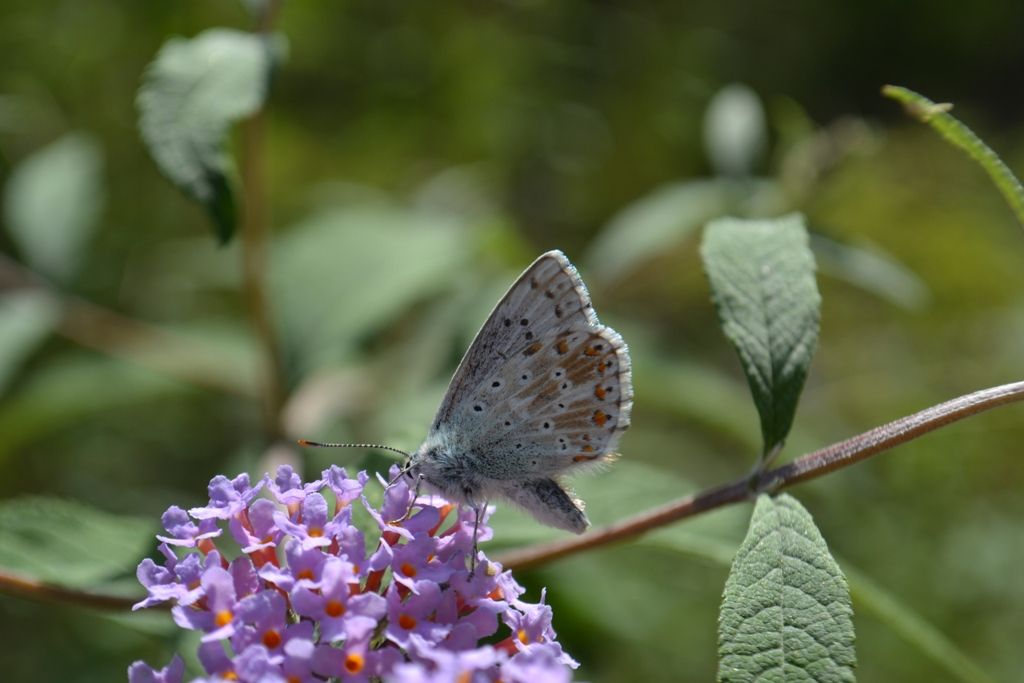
{"x": 544, "y": 390}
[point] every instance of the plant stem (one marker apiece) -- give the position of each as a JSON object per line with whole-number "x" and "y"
{"x": 804, "y": 468}
{"x": 12, "y": 584}
{"x": 254, "y": 261}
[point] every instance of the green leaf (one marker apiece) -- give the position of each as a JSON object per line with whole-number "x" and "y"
{"x": 52, "y": 202}
{"x": 786, "y": 613}
{"x": 69, "y": 543}
{"x": 938, "y": 117}
{"x": 868, "y": 597}
{"x": 26, "y": 318}
{"x": 762, "y": 282}
{"x": 190, "y": 95}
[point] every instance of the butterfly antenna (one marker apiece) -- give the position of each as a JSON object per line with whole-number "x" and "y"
{"x": 405, "y": 468}
{"x": 379, "y": 446}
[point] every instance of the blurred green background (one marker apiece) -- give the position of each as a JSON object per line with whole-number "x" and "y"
{"x": 417, "y": 157}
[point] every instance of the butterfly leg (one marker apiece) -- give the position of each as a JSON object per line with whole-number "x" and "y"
{"x": 478, "y": 510}
{"x": 415, "y": 497}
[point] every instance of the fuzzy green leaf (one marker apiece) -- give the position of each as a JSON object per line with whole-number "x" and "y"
{"x": 69, "y": 543}
{"x": 948, "y": 126}
{"x": 190, "y": 95}
{"x": 786, "y": 613}
{"x": 762, "y": 282}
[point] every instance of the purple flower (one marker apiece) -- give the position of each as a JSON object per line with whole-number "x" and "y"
{"x": 298, "y": 661}
{"x": 261, "y": 532}
{"x": 414, "y": 615}
{"x": 139, "y": 672}
{"x": 397, "y": 499}
{"x": 352, "y": 547}
{"x": 314, "y": 531}
{"x": 541, "y": 664}
{"x": 184, "y": 532}
{"x": 217, "y": 620}
{"x": 532, "y": 629}
{"x": 340, "y": 614}
{"x": 345, "y": 490}
{"x": 264, "y": 621}
{"x": 215, "y": 660}
{"x": 288, "y": 488}
{"x": 304, "y": 567}
{"x": 228, "y": 497}
{"x": 355, "y": 661}
{"x": 437, "y": 665}
{"x": 178, "y": 581}
{"x": 416, "y": 562}
{"x": 256, "y": 664}
{"x": 304, "y": 601}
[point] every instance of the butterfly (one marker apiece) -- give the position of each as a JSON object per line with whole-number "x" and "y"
{"x": 543, "y": 391}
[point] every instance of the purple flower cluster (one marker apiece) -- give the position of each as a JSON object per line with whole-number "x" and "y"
{"x": 307, "y": 601}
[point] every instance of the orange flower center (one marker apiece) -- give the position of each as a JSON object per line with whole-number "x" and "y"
{"x": 271, "y": 638}
{"x": 523, "y": 638}
{"x": 354, "y": 663}
{"x": 316, "y": 532}
{"x": 406, "y": 622}
{"x": 408, "y": 570}
{"x": 334, "y": 608}
{"x": 305, "y": 574}
{"x": 224, "y": 617}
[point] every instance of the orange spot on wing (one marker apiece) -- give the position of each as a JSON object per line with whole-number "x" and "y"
{"x": 599, "y": 392}
{"x": 591, "y": 351}
{"x": 584, "y": 458}
{"x": 600, "y": 417}
{"x": 562, "y": 346}
{"x": 588, "y": 448}
{"x": 533, "y": 348}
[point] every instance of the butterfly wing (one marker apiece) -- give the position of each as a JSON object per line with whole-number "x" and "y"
{"x": 544, "y": 387}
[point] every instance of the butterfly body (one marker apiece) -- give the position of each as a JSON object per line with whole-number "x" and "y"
{"x": 544, "y": 390}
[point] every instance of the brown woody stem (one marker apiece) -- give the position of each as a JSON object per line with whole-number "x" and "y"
{"x": 802, "y": 469}
{"x": 12, "y": 584}
{"x": 255, "y": 221}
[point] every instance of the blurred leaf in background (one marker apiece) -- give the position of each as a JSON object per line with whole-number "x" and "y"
{"x": 52, "y": 201}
